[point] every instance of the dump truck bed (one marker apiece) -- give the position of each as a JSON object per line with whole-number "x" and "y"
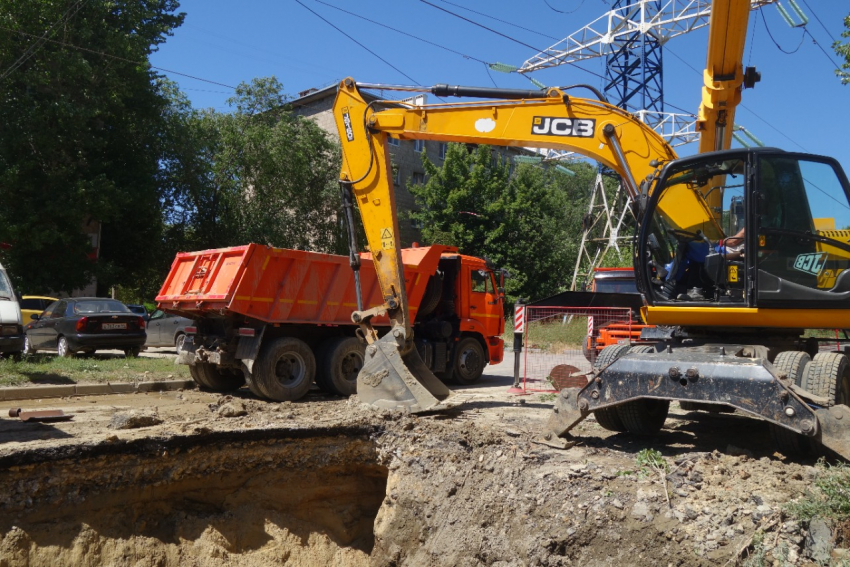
{"x": 277, "y": 285}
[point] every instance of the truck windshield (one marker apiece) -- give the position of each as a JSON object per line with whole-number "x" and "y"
{"x": 5, "y": 286}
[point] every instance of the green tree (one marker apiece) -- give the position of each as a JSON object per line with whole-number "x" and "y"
{"x": 528, "y": 223}
{"x": 80, "y": 138}
{"x": 843, "y": 51}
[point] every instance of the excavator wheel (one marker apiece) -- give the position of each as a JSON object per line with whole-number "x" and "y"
{"x": 609, "y": 418}
{"x": 795, "y": 365}
{"x": 829, "y": 376}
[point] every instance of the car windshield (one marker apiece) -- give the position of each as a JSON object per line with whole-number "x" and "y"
{"x": 109, "y": 306}
{"x": 5, "y": 286}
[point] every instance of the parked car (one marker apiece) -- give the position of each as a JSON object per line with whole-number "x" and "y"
{"x": 84, "y": 325}
{"x": 166, "y": 330}
{"x": 34, "y": 305}
{"x": 11, "y": 321}
{"x": 139, "y": 310}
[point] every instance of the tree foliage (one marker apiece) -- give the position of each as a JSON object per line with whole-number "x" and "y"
{"x": 81, "y": 137}
{"x": 528, "y": 222}
{"x": 843, "y": 51}
{"x": 260, "y": 173}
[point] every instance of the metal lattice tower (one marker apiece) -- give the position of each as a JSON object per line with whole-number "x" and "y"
{"x": 631, "y": 37}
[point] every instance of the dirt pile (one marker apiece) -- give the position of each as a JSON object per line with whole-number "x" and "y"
{"x": 327, "y": 482}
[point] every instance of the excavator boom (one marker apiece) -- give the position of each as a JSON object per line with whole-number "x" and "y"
{"x": 550, "y": 119}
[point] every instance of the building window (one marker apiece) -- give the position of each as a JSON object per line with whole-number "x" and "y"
{"x": 415, "y": 223}
{"x": 417, "y": 178}
{"x": 393, "y": 141}
{"x": 396, "y": 175}
{"x": 418, "y": 145}
{"x": 443, "y": 148}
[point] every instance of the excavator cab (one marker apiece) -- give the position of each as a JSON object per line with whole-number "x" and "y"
{"x": 779, "y": 240}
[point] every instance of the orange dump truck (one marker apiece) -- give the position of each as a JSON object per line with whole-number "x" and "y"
{"x": 281, "y": 319}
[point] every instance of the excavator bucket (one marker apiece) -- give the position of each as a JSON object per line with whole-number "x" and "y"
{"x": 389, "y": 380}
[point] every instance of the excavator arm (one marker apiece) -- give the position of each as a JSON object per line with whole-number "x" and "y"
{"x": 394, "y": 375}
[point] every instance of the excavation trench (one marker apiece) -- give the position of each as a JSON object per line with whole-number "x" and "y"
{"x": 306, "y": 497}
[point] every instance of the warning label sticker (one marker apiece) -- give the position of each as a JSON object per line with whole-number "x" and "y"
{"x": 387, "y": 241}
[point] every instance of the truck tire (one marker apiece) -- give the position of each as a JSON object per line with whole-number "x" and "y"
{"x": 790, "y": 443}
{"x": 285, "y": 369}
{"x": 211, "y": 377}
{"x": 431, "y": 297}
{"x": 469, "y": 361}
{"x": 252, "y": 384}
{"x": 339, "y": 363}
{"x": 608, "y": 418}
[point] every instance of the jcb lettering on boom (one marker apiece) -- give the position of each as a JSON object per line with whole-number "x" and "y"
{"x": 573, "y": 127}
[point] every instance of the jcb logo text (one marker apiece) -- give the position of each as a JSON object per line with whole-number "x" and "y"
{"x": 573, "y": 127}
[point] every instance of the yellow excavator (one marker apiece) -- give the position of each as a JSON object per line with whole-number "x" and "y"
{"x": 738, "y": 252}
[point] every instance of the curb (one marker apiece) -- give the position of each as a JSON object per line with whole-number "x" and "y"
{"x": 63, "y": 391}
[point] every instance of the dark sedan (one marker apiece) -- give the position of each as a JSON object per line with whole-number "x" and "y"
{"x": 84, "y": 325}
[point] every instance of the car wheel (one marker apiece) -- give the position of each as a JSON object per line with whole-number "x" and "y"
{"x": 28, "y": 348}
{"x": 62, "y": 348}
{"x": 132, "y": 352}
{"x": 178, "y": 342}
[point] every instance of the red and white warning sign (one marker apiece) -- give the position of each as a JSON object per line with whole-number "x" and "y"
{"x": 519, "y": 319}
{"x": 590, "y": 326}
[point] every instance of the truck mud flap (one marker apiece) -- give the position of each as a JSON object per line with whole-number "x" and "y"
{"x": 389, "y": 380}
{"x": 747, "y": 384}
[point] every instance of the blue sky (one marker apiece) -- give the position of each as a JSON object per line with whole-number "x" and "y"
{"x": 799, "y": 105}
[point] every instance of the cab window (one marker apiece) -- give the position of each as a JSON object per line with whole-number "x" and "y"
{"x": 482, "y": 282}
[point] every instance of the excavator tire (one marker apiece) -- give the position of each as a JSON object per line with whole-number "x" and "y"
{"x": 644, "y": 416}
{"x": 340, "y": 361}
{"x": 829, "y": 377}
{"x": 795, "y": 365}
{"x": 609, "y": 418}
{"x": 285, "y": 369}
{"x": 211, "y": 377}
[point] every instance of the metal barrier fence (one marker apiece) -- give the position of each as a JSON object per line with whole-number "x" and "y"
{"x": 561, "y": 343}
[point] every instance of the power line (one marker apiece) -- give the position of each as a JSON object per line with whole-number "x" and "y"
{"x": 505, "y": 21}
{"x": 31, "y": 50}
{"x": 357, "y": 42}
{"x": 465, "y": 56}
{"x": 109, "y": 55}
{"x": 562, "y": 11}
{"x": 776, "y": 43}
{"x": 474, "y": 23}
{"x": 806, "y": 32}
{"x": 820, "y": 22}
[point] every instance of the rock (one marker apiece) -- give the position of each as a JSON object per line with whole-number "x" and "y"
{"x": 819, "y": 540}
{"x": 738, "y": 452}
{"x": 641, "y": 511}
{"x": 134, "y": 420}
{"x": 744, "y": 474}
{"x": 232, "y": 409}
{"x": 762, "y": 511}
{"x": 617, "y": 504}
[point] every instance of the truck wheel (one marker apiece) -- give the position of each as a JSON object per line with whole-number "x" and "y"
{"x": 285, "y": 369}
{"x": 608, "y": 418}
{"x": 340, "y": 361}
{"x": 643, "y": 417}
{"x": 252, "y": 384}
{"x": 469, "y": 361}
{"x": 211, "y": 377}
{"x": 431, "y": 297}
